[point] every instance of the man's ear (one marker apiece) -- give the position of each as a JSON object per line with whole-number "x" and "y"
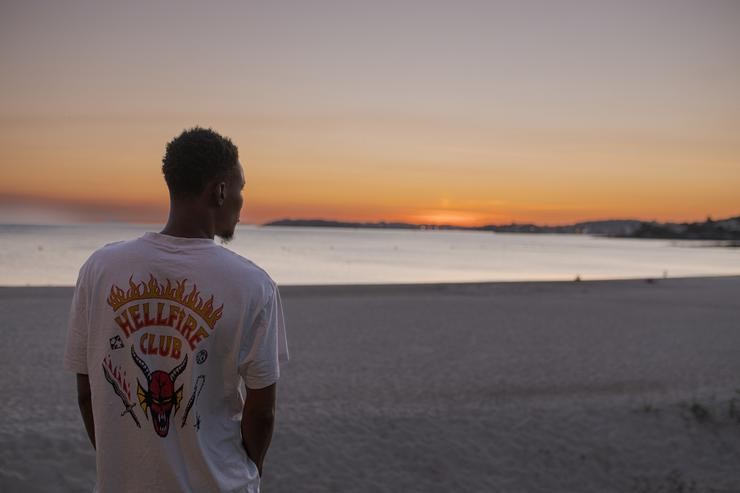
{"x": 220, "y": 193}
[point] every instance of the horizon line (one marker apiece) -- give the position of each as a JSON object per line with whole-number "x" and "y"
{"x": 341, "y": 221}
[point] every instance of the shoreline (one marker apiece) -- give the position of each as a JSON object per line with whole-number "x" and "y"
{"x": 436, "y": 287}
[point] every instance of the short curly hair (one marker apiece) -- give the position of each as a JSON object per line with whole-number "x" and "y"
{"x": 196, "y": 157}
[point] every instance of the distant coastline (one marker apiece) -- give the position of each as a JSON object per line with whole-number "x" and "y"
{"x": 725, "y": 229}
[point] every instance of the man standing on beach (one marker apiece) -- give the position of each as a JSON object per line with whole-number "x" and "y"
{"x": 166, "y": 331}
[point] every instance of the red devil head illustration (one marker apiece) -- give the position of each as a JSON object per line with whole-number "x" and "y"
{"x": 161, "y": 395}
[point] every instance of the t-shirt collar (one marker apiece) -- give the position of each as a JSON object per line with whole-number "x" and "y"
{"x": 177, "y": 241}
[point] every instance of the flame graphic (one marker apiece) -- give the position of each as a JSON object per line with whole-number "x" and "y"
{"x": 154, "y": 289}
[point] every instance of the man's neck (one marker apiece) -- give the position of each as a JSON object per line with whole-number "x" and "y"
{"x": 190, "y": 223}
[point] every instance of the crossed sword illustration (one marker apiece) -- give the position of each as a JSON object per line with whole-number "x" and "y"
{"x": 129, "y": 407}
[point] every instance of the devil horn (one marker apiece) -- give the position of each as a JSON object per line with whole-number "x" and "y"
{"x": 141, "y": 364}
{"x": 179, "y": 368}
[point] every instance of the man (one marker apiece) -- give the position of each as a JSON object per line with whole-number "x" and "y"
{"x": 165, "y": 328}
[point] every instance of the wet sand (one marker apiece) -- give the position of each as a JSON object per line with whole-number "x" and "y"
{"x": 527, "y": 386}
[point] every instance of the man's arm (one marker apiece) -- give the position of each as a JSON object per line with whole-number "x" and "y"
{"x": 84, "y": 400}
{"x": 258, "y": 421}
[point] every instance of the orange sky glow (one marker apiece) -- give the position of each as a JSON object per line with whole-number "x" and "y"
{"x": 426, "y": 113}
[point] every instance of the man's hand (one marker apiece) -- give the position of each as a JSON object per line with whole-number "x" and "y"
{"x": 84, "y": 400}
{"x": 258, "y": 420}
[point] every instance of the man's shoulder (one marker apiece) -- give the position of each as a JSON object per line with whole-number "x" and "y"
{"x": 102, "y": 260}
{"x": 111, "y": 250}
{"x": 244, "y": 268}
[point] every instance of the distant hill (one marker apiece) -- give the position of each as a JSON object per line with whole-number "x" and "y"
{"x": 610, "y": 227}
{"x": 726, "y": 229}
{"x": 321, "y": 223}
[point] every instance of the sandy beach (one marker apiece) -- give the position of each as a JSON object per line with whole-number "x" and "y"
{"x": 594, "y": 386}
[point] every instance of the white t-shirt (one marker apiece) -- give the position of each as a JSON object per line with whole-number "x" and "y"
{"x": 168, "y": 329}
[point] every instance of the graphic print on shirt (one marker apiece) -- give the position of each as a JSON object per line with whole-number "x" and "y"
{"x": 199, "y": 383}
{"x": 163, "y": 326}
{"x": 117, "y": 378}
{"x": 160, "y": 395}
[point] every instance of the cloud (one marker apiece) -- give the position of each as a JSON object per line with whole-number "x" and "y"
{"x": 29, "y": 209}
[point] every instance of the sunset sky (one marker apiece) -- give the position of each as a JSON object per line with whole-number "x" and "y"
{"x": 461, "y": 112}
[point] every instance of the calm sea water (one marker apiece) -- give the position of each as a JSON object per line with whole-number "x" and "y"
{"x": 51, "y": 255}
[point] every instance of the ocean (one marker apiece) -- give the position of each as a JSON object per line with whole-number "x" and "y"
{"x": 40, "y": 255}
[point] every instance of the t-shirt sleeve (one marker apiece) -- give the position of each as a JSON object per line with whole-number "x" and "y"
{"x": 264, "y": 345}
{"x": 75, "y": 354}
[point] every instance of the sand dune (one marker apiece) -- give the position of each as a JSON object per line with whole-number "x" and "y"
{"x": 521, "y": 387}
